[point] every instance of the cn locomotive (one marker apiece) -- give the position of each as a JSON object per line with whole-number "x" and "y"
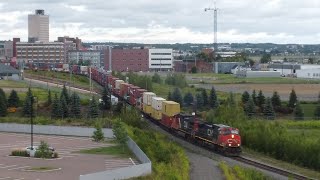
{"x": 221, "y": 138}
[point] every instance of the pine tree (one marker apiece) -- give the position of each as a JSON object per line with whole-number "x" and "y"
{"x": 268, "y": 111}
{"x": 298, "y": 112}
{"x": 120, "y": 133}
{"x": 213, "y": 100}
{"x": 176, "y": 96}
{"x": 188, "y": 99}
{"x": 245, "y": 97}
{"x": 65, "y": 94}
{"x": 3, "y": 107}
{"x": 98, "y": 135}
{"x": 231, "y": 101}
{"x": 261, "y": 100}
{"x": 199, "y": 99}
{"x": 250, "y": 107}
{"x": 205, "y": 97}
{"x": 93, "y": 108}
{"x": 49, "y": 100}
{"x": 56, "y": 108}
{"x": 106, "y": 99}
{"x": 169, "y": 96}
{"x": 254, "y": 97}
{"x": 28, "y": 103}
{"x": 293, "y": 99}
{"x": 75, "y": 108}
{"x": 275, "y": 99}
{"x": 64, "y": 107}
{"x": 3, "y": 94}
{"x": 317, "y": 112}
{"x": 13, "y": 100}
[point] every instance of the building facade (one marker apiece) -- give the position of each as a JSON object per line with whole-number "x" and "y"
{"x": 6, "y": 51}
{"x": 38, "y": 27}
{"x": 160, "y": 59}
{"x": 127, "y": 59}
{"x": 84, "y": 57}
{"x": 40, "y": 54}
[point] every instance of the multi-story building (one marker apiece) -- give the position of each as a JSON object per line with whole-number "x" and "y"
{"x": 160, "y": 59}
{"x": 40, "y": 54}
{"x": 38, "y": 27}
{"x": 6, "y": 51}
{"x": 85, "y": 57}
{"x": 127, "y": 59}
{"x": 139, "y": 59}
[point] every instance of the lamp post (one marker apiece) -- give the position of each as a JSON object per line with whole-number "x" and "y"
{"x": 32, "y": 99}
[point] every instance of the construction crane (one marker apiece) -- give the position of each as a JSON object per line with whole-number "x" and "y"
{"x": 215, "y": 25}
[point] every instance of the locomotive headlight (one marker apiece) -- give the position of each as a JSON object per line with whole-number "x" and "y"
{"x": 232, "y": 136}
{"x": 229, "y": 144}
{"x": 238, "y": 144}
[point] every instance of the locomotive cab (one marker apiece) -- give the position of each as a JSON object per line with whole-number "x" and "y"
{"x": 229, "y": 138}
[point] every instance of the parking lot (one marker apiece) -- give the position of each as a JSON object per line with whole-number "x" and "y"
{"x": 69, "y": 165}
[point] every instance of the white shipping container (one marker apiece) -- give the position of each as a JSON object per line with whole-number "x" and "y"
{"x": 118, "y": 82}
{"x": 65, "y": 66}
{"x": 147, "y": 97}
{"x": 157, "y": 103}
{"x": 84, "y": 68}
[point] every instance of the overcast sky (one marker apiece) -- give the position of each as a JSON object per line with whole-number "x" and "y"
{"x": 168, "y": 21}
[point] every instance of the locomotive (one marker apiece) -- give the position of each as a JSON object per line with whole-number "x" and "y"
{"x": 221, "y": 138}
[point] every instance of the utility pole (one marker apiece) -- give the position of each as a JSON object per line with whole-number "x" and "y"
{"x": 215, "y": 26}
{"x": 110, "y": 56}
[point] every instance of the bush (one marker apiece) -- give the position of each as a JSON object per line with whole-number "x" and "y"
{"x": 22, "y": 153}
{"x": 98, "y": 134}
{"x": 43, "y": 151}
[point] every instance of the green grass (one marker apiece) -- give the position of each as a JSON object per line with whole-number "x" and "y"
{"x": 117, "y": 150}
{"x": 308, "y": 110}
{"x": 12, "y": 84}
{"x": 231, "y": 79}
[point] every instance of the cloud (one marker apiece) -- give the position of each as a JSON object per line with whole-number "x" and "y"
{"x": 167, "y": 21}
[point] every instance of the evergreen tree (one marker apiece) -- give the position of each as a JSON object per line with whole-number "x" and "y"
{"x": 98, "y": 134}
{"x": 3, "y": 107}
{"x": 317, "y": 112}
{"x": 188, "y": 99}
{"x": 250, "y": 107}
{"x": 231, "y": 101}
{"x": 261, "y": 100}
{"x": 169, "y": 96}
{"x": 3, "y": 94}
{"x": 13, "y": 100}
{"x": 75, "y": 108}
{"x": 176, "y": 96}
{"x": 268, "y": 111}
{"x": 213, "y": 100}
{"x": 205, "y": 97}
{"x": 49, "y": 100}
{"x": 106, "y": 99}
{"x": 245, "y": 97}
{"x": 254, "y": 97}
{"x": 120, "y": 133}
{"x": 93, "y": 108}
{"x": 156, "y": 78}
{"x": 27, "y": 106}
{"x": 56, "y": 107}
{"x": 298, "y": 112}
{"x": 64, "y": 107}
{"x": 292, "y": 99}
{"x": 275, "y": 99}
{"x": 65, "y": 94}
{"x": 199, "y": 99}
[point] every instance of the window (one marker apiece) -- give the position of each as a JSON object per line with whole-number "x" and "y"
{"x": 160, "y": 59}
{"x": 161, "y": 54}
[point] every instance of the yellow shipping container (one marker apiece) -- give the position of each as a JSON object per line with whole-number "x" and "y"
{"x": 156, "y": 114}
{"x": 147, "y": 109}
{"x": 170, "y": 108}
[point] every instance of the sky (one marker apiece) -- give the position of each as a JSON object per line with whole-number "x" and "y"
{"x": 168, "y": 21}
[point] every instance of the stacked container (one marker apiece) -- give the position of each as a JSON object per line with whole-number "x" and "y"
{"x": 169, "y": 111}
{"x": 117, "y": 86}
{"x": 124, "y": 89}
{"x": 136, "y": 98}
{"x": 157, "y": 107}
{"x": 147, "y": 100}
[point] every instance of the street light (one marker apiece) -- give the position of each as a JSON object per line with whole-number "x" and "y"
{"x": 32, "y": 99}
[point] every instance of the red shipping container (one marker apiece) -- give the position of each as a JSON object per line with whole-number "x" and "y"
{"x": 124, "y": 90}
{"x": 170, "y": 121}
{"x": 136, "y": 98}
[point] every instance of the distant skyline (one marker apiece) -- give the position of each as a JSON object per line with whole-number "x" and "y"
{"x": 167, "y": 21}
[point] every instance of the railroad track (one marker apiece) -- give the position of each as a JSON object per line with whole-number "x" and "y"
{"x": 270, "y": 168}
{"x": 239, "y": 158}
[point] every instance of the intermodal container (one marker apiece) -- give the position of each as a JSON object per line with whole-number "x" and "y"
{"x": 170, "y": 108}
{"x": 156, "y": 114}
{"x": 157, "y": 103}
{"x": 147, "y": 109}
{"x": 147, "y": 98}
{"x": 136, "y": 98}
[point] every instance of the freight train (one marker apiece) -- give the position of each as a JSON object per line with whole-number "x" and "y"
{"x": 221, "y": 138}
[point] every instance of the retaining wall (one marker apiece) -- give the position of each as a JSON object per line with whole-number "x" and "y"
{"x": 52, "y": 130}
{"x": 127, "y": 172}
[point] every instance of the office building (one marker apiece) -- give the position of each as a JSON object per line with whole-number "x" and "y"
{"x": 38, "y": 27}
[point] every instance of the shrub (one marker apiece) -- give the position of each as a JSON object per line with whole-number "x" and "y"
{"x": 98, "y": 134}
{"x": 22, "y": 153}
{"x": 43, "y": 151}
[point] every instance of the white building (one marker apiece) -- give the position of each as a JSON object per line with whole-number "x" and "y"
{"x": 85, "y": 57}
{"x": 38, "y": 27}
{"x": 41, "y": 53}
{"x": 309, "y": 73}
{"x": 160, "y": 59}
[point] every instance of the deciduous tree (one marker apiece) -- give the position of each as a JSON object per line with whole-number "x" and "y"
{"x": 120, "y": 133}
